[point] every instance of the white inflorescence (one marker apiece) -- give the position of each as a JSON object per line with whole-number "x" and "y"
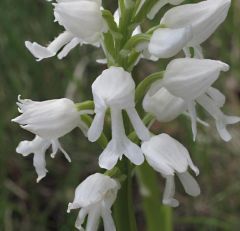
{"x": 186, "y": 83}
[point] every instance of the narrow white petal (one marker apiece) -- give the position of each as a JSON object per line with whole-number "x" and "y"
{"x": 138, "y": 125}
{"x": 193, "y": 115}
{"x": 190, "y": 185}
{"x": 93, "y": 219}
{"x": 80, "y": 219}
{"x": 221, "y": 126}
{"x": 200, "y": 121}
{"x": 39, "y": 163}
{"x": 133, "y": 152}
{"x": 169, "y": 192}
{"x": 217, "y": 96}
{"x": 107, "y": 219}
{"x": 96, "y": 128}
{"x": 55, "y": 146}
{"x": 74, "y": 42}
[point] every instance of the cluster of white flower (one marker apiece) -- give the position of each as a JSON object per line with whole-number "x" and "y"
{"x": 163, "y": 95}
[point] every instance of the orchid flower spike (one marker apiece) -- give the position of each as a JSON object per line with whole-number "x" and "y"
{"x": 115, "y": 89}
{"x": 95, "y": 196}
{"x": 169, "y": 157}
{"x": 83, "y": 23}
{"x": 48, "y": 120}
{"x": 191, "y": 79}
{"x": 38, "y": 146}
{"x": 187, "y": 26}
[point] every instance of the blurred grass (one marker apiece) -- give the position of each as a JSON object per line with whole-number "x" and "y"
{"x": 27, "y": 206}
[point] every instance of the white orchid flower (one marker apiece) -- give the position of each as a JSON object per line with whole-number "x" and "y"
{"x": 95, "y": 196}
{"x": 75, "y": 16}
{"x": 187, "y": 26}
{"x": 169, "y": 157}
{"x": 191, "y": 79}
{"x": 48, "y": 120}
{"x": 115, "y": 89}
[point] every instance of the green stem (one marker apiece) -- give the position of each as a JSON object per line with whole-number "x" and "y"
{"x": 123, "y": 206}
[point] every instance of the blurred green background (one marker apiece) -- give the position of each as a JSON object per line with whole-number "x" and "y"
{"x": 27, "y": 206}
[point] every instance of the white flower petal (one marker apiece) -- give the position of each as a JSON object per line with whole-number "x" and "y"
{"x": 204, "y": 17}
{"x": 93, "y": 219}
{"x": 190, "y": 185}
{"x": 80, "y": 219}
{"x": 138, "y": 125}
{"x": 55, "y": 146}
{"x": 107, "y": 219}
{"x": 163, "y": 105}
{"x": 166, "y": 43}
{"x": 39, "y": 163}
{"x": 74, "y": 13}
{"x": 109, "y": 157}
{"x": 166, "y": 155}
{"x": 38, "y": 51}
{"x": 92, "y": 190}
{"x": 169, "y": 192}
{"x": 48, "y": 119}
{"x": 114, "y": 87}
{"x": 217, "y": 96}
{"x": 74, "y": 42}
{"x": 189, "y": 78}
{"x": 133, "y": 152}
{"x": 193, "y": 116}
{"x": 221, "y": 120}
{"x": 96, "y": 127}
